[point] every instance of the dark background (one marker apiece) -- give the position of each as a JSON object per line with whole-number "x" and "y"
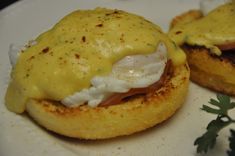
{"x": 5, "y": 3}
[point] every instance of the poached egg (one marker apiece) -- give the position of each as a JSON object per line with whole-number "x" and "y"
{"x": 137, "y": 71}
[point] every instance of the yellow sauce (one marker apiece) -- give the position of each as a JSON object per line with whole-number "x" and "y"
{"x": 82, "y": 45}
{"x": 217, "y": 28}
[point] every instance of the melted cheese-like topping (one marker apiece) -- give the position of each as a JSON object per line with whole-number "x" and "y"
{"x": 216, "y": 28}
{"x": 82, "y": 45}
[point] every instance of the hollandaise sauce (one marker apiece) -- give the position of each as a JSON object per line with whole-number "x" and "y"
{"x": 215, "y": 29}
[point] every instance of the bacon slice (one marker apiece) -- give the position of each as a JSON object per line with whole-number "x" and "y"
{"x": 228, "y": 46}
{"x": 118, "y": 97}
{"x": 228, "y": 51}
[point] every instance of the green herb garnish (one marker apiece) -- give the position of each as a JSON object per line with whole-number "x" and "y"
{"x": 207, "y": 141}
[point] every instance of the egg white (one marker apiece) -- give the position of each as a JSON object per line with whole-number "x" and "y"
{"x": 15, "y": 51}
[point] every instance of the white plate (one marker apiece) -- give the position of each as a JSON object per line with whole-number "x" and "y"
{"x": 20, "y": 136}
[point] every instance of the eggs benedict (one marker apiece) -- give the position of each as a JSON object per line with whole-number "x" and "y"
{"x": 99, "y": 74}
{"x": 208, "y": 38}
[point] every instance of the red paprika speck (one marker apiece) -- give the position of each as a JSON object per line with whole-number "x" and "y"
{"x": 45, "y": 50}
{"x": 32, "y": 57}
{"x": 178, "y": 32}
{"x": 77, "y": 56}
{"x": 99, "y": 25}
{"x": 83, "y": 38}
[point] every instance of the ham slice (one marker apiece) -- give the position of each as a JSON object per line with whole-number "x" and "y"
{"x": 118, "y": 97}
{"x": 228, "y": 46}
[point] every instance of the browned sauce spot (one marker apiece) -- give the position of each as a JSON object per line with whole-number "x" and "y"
{"x": 45, "y": 50}
{"x": 99, "y": 25}
{"x": 83, "y": 38}
{"x": 32, "y": 57}
{"x": 77, "y": 56}
{"x": 178, "y": 32}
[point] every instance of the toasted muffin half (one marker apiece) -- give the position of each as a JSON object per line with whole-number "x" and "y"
{"x": 134, "y": 114}
{"x": 211, "y": 71}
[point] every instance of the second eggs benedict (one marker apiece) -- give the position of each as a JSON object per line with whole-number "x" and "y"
{"x": 209, "y": 42}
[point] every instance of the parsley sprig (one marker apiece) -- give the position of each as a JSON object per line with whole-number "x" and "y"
{"x": 220, "y": 107}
